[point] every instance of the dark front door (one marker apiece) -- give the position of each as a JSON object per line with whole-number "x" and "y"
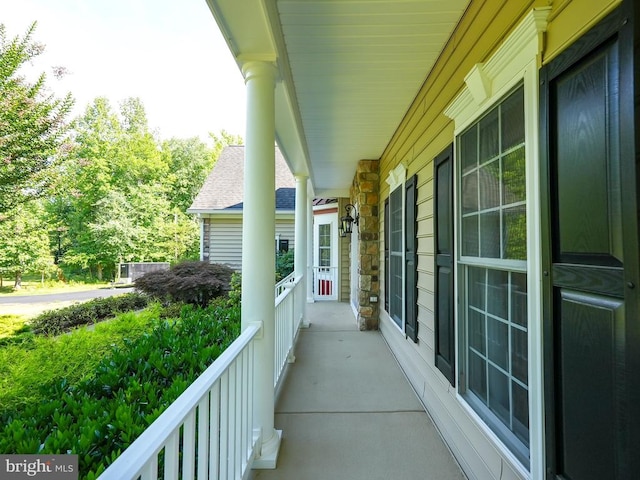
{"x": 590, "y": 263}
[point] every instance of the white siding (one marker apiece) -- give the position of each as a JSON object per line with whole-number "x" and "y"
{"x": 225, "y": 239}
{"x": 226, "y": 242}
{"x": 286, "y": 229}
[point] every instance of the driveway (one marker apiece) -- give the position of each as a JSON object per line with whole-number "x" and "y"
{"x": 32, "y": 305}
{"x": 65, "y": 297}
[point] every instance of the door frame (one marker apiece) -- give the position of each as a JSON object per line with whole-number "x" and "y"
{"x": 331, "y": 218}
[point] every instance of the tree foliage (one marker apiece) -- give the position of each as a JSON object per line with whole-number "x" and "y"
{"x": 24, "y": 243}
{"x": 32, "y": 124}
{"x": 121, "y": 193}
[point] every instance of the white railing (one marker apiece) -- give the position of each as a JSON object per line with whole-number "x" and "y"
{"x": 207, "y": 433}
{"x": 282, "y": 284}
{"x": 288, "y": 317}
{"x": 325, "y": 283}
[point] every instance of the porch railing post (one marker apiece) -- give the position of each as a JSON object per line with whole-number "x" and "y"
{"x": 258, "y": 251}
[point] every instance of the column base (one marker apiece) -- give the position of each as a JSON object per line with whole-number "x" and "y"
{"x": 269, "y": 452}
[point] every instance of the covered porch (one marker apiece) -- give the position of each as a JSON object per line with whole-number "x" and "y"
{"x": 343, "y": 409}
{"x": 347, "y": 411}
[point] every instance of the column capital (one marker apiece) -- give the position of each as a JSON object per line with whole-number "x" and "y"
{"x": 257, "y": 67}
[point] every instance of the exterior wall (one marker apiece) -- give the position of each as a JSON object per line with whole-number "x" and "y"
{"x": 225, "y": 238}
{"x": 343, "y": 258}
{"x": 423, "y": 134}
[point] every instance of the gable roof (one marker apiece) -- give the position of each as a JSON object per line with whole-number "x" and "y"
{"x": 223, "y": 190}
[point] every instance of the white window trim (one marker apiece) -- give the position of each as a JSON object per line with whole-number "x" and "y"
{"x": 397, "y": 179}
{"x": 517, "y": 60}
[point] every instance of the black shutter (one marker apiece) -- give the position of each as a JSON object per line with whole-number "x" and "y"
{"x": 386, "y": 254}
{"x": 411, "y": 259}
{"x": 444, "y": 322}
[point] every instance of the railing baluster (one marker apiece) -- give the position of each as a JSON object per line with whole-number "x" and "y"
{"x": 231, "y": 425}
{"x": 224, "y": 426}
{"x": 189, "y": 447}
{"x": 150, "y": 470}
{"x": 244, "y": 444}
{"x": 238, "y": 420}
{"x": 203, "y": 437}
{"x": 214, "y": 432}
{"x": 171, "y": 466}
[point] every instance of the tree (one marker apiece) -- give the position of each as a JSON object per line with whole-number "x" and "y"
{"x": 24, "y": 243}
{"x": 32, "y": 124}
{"x": 223, "y": 139}
{"x": 190, "y": 162}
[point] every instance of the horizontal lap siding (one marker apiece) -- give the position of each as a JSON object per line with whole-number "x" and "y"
{"x": 226, "y": 242}
{"x": 423, "y": 134}
{"x": 343, "y": 268}
{"x": 286, "y": 230}
{"x": 225, "y": 239}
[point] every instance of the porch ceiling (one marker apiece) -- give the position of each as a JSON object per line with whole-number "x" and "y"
{"x": 349, "y": 71}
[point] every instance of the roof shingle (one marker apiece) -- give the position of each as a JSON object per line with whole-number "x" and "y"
{"x": 224, "y": 187}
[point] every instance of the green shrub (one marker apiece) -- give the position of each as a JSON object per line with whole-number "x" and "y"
{"x": 235, "y": 290}
{"x": 55, "y": 322}
{"x": 196, "y": 283}
{"x": 101, "y": 416}
{"x": 284, "y": 264}
{"x": 30, "y": 361}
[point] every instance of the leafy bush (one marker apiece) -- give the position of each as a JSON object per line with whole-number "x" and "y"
{"x": 30, "y": 360}
{"x": 55, "y": 322}
{"x": 196, "y": 283}
{"x": 235, "y": 290}
{"x": 284, "y": 264}
{"x": 101, "y": 416}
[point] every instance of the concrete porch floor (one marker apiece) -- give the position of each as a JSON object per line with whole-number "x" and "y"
{"x": 348, "y": 413}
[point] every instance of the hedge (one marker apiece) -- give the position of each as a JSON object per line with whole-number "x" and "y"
{"x": 55, "y": 322}
{"x": 101, "y": 416}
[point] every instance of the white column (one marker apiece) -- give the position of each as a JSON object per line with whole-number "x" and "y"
{"x": 310, "y": 241}
{"x": 302, "y": 241}
{"x": 258, "y": 250}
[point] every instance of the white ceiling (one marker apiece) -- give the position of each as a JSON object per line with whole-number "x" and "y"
{"x": 350, "y": 70}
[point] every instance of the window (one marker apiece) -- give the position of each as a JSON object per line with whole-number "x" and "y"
{"x": 324, "y": 245}
{"x": 400, "y": 253}
{"x": 492, "y": 264}
{"x": 396, "y": 262}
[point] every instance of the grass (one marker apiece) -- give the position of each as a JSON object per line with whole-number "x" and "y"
{"x": 11, "y": 325}
{"x": 28, "y": 361}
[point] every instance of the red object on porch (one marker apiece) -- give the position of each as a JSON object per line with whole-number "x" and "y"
{"x": 324, "y": 287}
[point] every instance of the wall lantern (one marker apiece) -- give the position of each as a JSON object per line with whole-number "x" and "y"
{"x": 347, "y": 222}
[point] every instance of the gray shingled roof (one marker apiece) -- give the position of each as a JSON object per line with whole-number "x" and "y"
{"x": 223, "y": 189}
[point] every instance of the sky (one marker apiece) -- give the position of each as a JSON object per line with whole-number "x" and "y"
{"x": 169, "y": 53}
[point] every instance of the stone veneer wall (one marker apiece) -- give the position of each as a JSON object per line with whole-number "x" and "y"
{"x": 365, "y": 196}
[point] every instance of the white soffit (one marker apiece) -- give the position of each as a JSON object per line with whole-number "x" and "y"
{"x": 356, "y": 66}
